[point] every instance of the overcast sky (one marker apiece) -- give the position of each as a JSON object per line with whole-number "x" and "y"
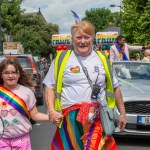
{"x": 58, "y": 11}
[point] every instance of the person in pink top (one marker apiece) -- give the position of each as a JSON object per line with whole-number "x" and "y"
{"x": 17, "y": 106}
{"x": 120, "y": 50}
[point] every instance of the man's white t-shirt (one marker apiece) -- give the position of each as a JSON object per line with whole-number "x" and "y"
{"x": 76, "y": 88}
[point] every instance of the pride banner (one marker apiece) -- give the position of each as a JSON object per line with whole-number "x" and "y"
{"x": 61, "y": 39}
{"x": 106, "y": 37}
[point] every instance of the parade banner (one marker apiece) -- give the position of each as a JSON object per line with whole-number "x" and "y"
{"x": 106, "y": 37}
{"x": 61, "y": 39}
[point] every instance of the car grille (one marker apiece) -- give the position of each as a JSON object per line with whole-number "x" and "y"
{"x": 142, "y": 107}
{"x": 140, "y": 128}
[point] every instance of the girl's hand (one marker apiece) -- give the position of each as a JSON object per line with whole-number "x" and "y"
{"x": 55, "y": 117}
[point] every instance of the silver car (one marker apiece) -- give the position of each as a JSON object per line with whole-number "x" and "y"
{"x": 134, "y": 80}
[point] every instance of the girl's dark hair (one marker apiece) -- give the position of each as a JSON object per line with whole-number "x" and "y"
{"x": 25, "y": 78}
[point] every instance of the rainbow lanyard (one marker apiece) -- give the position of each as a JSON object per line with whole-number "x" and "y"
{"x": 15, "y": 101}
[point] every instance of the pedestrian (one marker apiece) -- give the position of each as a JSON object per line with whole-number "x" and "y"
{"x": 43, "y": 65}
{"x": 146, "y": 55}
{"x": 71, "y": 103}
{"x": 17, "y": 105}
{"x": 137, "y": 57}
{"x": 120, "y": 50}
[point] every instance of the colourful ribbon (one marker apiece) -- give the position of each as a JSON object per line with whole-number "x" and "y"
{"x": 14, "y": 100}
{"x": 121, "y": 50}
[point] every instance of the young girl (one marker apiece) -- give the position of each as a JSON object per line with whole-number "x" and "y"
{"x": 17, "y": 105}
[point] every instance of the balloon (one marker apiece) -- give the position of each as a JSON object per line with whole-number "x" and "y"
{"x": 64, "y": 47}
{"x": 59, "y": 47}
{"x": 109, "y": 46}
{"x": 103, "y": 47}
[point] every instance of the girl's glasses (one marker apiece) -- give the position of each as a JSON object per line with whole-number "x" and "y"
{"x": 7, "y": 73}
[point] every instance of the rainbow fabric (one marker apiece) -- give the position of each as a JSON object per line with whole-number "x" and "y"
{"x": 15, "y": 101}
{"x": 76, "y": 17}
{"x": 121, "y": 50}
{"x": 69, "y": 136}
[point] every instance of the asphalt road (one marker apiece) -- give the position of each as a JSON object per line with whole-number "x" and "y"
{"x": 42, "y": 133}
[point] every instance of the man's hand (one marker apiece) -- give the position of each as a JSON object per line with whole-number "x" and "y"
{"x": 122, "y": 122}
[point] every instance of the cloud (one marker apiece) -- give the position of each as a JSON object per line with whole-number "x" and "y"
{"x": 58, "y": 11}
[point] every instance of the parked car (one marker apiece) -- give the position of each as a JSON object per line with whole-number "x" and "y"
{"x": 1, "y": 58}
{"x": 29, "y": 65}
{"x": 134, "y": 80}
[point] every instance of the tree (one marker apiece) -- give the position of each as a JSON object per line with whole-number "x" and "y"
{"x": 35, "y": 34}
{"x": 136, "y": 22}
{"x": 143, "y": 35}
{"x": 115, "y": 18}
{"x": 99, "y": 17}
{"x": 29, "y": 30}
{"x": 10, "y": 13}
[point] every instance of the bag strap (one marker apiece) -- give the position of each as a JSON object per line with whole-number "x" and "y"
{"x": 84, "y": 70}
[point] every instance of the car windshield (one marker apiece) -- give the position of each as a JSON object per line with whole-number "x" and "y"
{"x": 1, "y": 59}
{"x": 132, "y": 70}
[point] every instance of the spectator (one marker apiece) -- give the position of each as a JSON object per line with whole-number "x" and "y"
{"x": 120, "y": 50}
{"x": 137, "y": 57}
{"x": 43, "y": 65}
{"x": 146, "y": 55}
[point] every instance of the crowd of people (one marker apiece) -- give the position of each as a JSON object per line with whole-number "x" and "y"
{"x": 141, "y": 56}
{"x": 73, "y": 105}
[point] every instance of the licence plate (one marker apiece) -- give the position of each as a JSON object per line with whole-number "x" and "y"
{"x": 143, "y": 120}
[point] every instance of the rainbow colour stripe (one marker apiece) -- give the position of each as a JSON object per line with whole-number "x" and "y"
{"x": 15, "y": 101}
{"x": 61, "y": 39}
{"x": 106, "y": 37}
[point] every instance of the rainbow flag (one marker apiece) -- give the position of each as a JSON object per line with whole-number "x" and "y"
{"x": 76, "y": 17}
{"x": 15, "y": 101}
